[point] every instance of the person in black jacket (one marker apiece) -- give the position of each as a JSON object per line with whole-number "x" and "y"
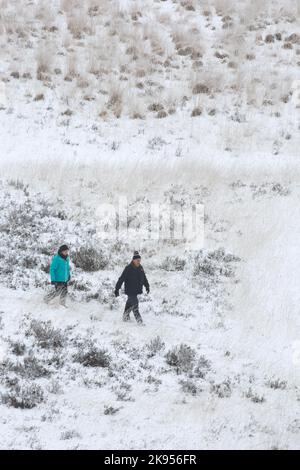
{"x": 134, "y": 278}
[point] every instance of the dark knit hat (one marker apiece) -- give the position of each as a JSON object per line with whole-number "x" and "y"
{"x": 63, "y": 248}
{"x": 136, "y": 255}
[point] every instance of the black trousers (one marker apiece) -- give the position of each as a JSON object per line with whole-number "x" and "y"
{"x": 132, "y": 304}
{"x": 61, "y": 290}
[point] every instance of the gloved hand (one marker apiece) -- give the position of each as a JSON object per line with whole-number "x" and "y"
{"x": 148, "y": 290}
{"x": 116, "y": 293}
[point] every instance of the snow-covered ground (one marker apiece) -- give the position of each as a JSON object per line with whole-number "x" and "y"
{"x": 243, "y": 328}
{"x": 217, "y": 363}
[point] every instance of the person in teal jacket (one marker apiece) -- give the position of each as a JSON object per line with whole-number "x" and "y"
{"x": 60, "y": 275}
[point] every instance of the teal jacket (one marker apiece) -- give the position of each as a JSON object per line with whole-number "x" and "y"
{"x": 60, "y": 269}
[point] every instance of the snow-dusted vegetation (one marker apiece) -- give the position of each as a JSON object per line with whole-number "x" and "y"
{"x": 152, "y": 58}
{"x": 168, "y": 102}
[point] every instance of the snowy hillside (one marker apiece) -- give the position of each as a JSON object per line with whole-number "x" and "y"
{"x": 174, "y": 103}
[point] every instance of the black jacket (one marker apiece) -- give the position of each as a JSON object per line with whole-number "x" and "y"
{"x": 134, "y": 278}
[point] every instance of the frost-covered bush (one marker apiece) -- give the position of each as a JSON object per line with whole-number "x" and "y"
{"x": 122, "y": 368}
{"x": 223, "y": 389}
{"x": 54, "y": 387}
{"x": 280, "y": 190}
{"x": 26, "y": 395}
{"x": 152, "y": 380}
{"x": 71, "y": 434}
{"x": 173, "y": 264}
{"x": 110, "y": 410}
{"x": 81, "y": 285}
{"x": 254, "y": 397}
{"x": 188, "y": 386}
{"x": 46, "y": 335}
{"x": 294, "y": 426}
{"x": 277, "y": 384}
{"x": 92, "y": 357}
{"x": 270, "y": 189}
{"x": 156, "y": 143}
{"x": 125, "y": 346}
{"x": 214, "y": 263}
{"x": 202, "y": 367}
{"x": 57, "y": 359}
{"x": 175, "y": 308}
{"x": 122, "y": 393}
{"x": 203, "y": 266}
{"x": 17, "y": 347}
{"x": 156, "y": 344}
{"x": 221, "y": 255}
{"x": 89, "y": 259}
{"x": 200, "y": 88}
{"x": 85, "y": 290}
{"x": 182, "y": 357}
{"x": 30, "y": 368}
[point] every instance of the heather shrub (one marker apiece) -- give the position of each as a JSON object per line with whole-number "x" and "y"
{"x": 155, "y": 345}
{"x": 92, "y": 357}
{"x": 46, "y": 335}
{"x": 181, "y": 357}
{"x": 89, "y": 259}
{"x": 27, "y": 395}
